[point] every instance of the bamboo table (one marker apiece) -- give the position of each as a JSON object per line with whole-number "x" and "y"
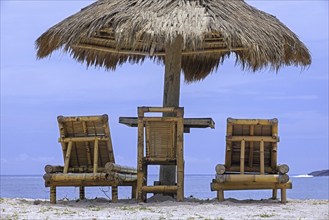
{"x": 188, "y": 123}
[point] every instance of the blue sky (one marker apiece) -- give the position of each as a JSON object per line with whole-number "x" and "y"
{"x": 34, "y": 92}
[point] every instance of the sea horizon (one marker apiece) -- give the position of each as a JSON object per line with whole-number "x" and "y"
{"x": 31, "y": 186}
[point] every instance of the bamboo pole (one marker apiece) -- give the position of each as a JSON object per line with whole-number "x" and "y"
{"x": 236, "y": 168}
{"x": 274, "y": 152}
{"x": 252, "y": 121}
{"x": 122, "y": 177}
{"x": 220, "y": 168}
{"x": 67, "y": 157}
{"x": 220, "y": 195}
{"x": 53, "y": 194}
{"x": 283, "y": 168}
{"x": 83, "y": 139}
{"x": 252, "y": 178}
{"x": 87, "y": 146}
{"x": 133, "y": 191}
{"x": 283, "y": 195}
{"x": 251, "y": 146}
{"x": 59, "y": 169}
{"x": 274, "y": 193}
{"x": 214, "y": 186}
{"x": 253, "y": 138}
{"x": 242, "y": 157}
{"x": 180, "y": 160}
{"x": 74, "y": 177}
{"x": 228, "y": 155}
{"x": 95, "y": 156}
{"x": 112, "y": 167}
{"x": 82, "y": 192}
{"x": 160, "y": 189}
{"x": 109, "y": 140}
{"x": 140, "y": 155}
{"x": 115, "y": 194}
{"x": 62, "y": 119}
{"x": 171, "y": 93}
{"x": 261, "y": 158}
{"x": 53, "y": 169}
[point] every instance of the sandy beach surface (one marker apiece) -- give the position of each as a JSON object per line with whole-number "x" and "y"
{"x": 158, "y": 209}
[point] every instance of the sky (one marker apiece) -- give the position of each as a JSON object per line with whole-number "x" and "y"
{"x": 34, "y": 92}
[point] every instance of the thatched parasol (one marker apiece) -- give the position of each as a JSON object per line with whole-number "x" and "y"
{"x": 194, "y": 36}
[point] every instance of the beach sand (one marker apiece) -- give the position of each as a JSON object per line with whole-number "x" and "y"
{"x": 157, "y": 209}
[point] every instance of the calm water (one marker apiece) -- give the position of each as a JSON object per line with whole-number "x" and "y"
{"x": 195, "y": 185}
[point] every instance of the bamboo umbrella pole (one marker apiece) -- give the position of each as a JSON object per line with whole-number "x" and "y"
{"x": 171, "y": 96}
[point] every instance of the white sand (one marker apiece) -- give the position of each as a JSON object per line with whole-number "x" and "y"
{"x": 190, "y": 209}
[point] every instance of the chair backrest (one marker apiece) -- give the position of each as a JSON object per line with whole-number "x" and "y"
{"x": 251, "y": 145}
{"x": 90, "y": 140}
{"x": 162, "y": 134}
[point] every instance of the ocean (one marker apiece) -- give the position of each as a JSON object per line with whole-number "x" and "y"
{"x": 198, "y": 186}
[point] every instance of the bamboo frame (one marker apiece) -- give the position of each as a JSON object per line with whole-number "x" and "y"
{"x": 262, "y": 133}
{"x": 80, "y": 134}
{"x": 144, "y": 158}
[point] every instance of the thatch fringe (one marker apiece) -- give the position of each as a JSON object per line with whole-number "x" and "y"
{"x": 110, "y": 32}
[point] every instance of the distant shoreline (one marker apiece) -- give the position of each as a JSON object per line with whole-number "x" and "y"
{"x": 319, "y": 173}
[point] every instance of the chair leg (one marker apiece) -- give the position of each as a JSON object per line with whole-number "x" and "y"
{"x": 274, "y": 193}
{"x": 220, "y": 195}
{"x": 133, "y": 191}
{"x": 283, "y": 195}
{"x": 82, "y": 192}
{"x": 114, "y": 194}
{"x": 53, "y": 194}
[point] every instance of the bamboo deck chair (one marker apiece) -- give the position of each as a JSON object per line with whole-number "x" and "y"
{"x": 88, "y": 155}
{"x": 160, "y": 142}
{"x": 251, "y": 159}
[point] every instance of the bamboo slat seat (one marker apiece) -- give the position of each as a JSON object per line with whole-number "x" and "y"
{"x": 88, "y": 158}
{"x": 251, "y": 159}
{"x": 160, "y": 142}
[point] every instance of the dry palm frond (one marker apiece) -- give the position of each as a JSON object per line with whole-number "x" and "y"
{"x": 110, "y": 32}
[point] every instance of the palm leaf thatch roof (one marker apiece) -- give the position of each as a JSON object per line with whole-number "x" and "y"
{"x": 108, "y": 33}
